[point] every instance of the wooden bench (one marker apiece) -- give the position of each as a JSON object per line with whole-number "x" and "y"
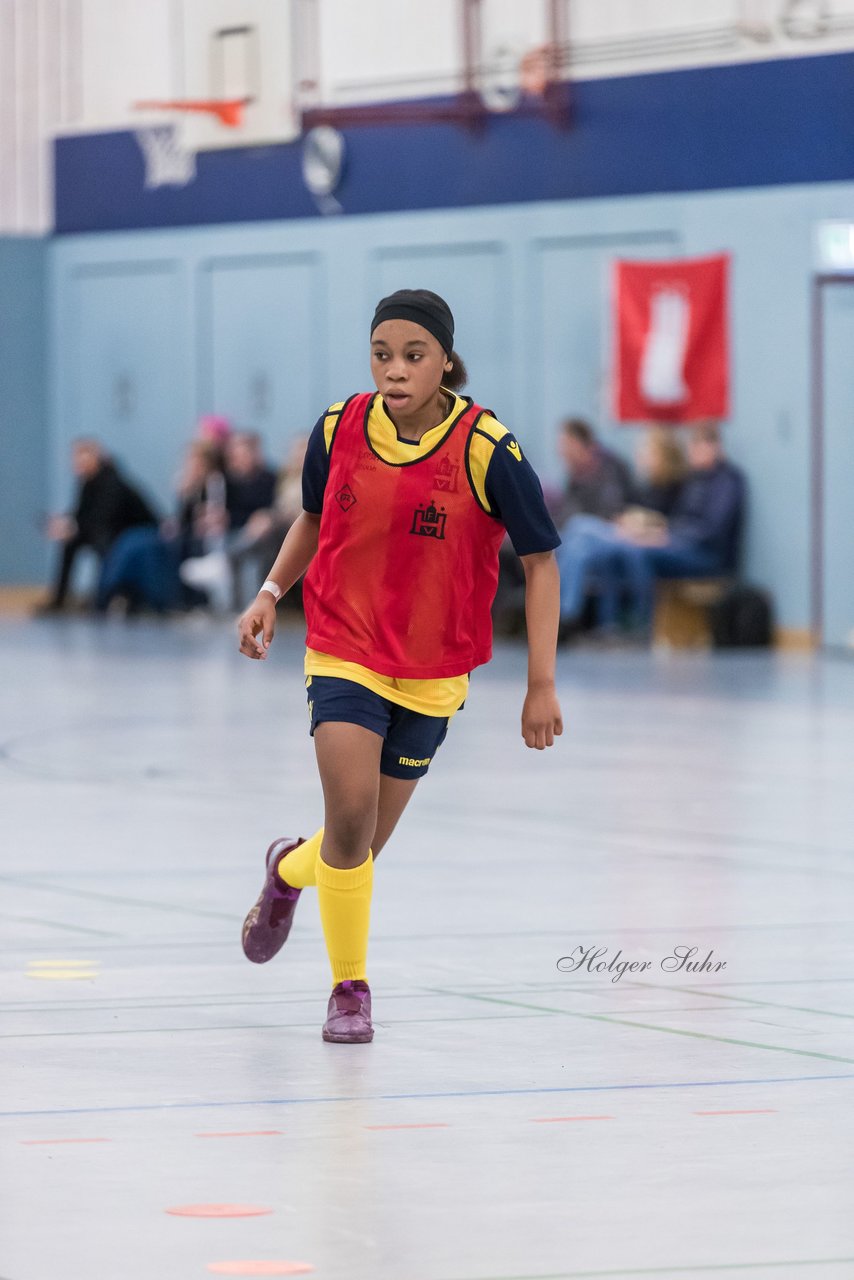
{"x": 682, "y": 611}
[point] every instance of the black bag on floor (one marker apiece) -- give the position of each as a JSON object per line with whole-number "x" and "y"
{"x": 743, "y": 618}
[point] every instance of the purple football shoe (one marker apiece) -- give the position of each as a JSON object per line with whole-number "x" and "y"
{"x": 348, "y": 1018}
{"x": 266, "y": 928}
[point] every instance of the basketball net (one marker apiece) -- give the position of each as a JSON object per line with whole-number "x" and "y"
{"x": 168, "y": 162}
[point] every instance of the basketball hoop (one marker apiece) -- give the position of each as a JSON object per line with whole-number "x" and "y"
{"x": 168, "y": 163}
{"x": 538, "y": 69}
{"x": 228, "y": 111}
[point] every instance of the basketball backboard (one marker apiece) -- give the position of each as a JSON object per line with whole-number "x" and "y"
{"x": 467, "y": 56}
{"x": 236, "y": 51}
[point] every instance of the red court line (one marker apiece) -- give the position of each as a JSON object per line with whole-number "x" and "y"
{"x": 260, "y": 1268}
{"x": 59, "y": 1142}
{"x": 218, "y": 1210}
{"x": 555, "y": 1119}
{"x": 760, "y": 1111}
{"x": 407, "y": 1126}
{"x": 244, "y": 1133}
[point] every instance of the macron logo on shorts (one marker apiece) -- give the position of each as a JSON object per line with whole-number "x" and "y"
{"x": 413, "y": 764}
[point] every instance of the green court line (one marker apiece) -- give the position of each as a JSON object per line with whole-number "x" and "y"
{"x": 761, "y": 1004}
{"x": 56, "y": 924}
{"x": 647, "y": 1026}
{"x": 687, "y": 1269}
{"x": 254, "y": 1026}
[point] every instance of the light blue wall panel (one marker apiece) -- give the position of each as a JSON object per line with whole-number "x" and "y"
{"x": 263, "y": 349}
{"x": 23, "y": 410}
{"x": 570, "y": 347}
{"x": 528, "y": 284}
{"x": 125, "y": 366}
{"x": 474, "y": 275}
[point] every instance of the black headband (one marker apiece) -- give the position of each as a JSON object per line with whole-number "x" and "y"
{"x": 421, "y": 307}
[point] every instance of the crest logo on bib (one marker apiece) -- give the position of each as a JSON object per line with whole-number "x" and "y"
{"x": 428, "y": 522}
{"x": 445, "y": 479}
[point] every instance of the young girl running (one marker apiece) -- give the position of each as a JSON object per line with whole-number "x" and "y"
{"x": 407, "y": 494}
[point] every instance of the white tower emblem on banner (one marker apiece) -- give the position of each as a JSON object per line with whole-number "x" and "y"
{"x": 662, "y": 368}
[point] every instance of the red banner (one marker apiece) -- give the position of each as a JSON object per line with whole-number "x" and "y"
{"x": 671, "y": 341}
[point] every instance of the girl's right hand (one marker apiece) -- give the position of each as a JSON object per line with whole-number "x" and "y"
{"x": 258, "y": 620}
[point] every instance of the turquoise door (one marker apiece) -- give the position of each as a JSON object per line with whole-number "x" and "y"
{"x": 836, "y": 468}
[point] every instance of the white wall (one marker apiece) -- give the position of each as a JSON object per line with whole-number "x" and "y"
{"x": 37, "y": 39}
{"x": 393, "y": 48}
{"x": 268, "y": 324}
{"x": 78, "y": 65}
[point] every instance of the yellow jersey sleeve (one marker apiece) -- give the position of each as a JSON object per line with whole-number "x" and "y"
{"x": 330, "y": 422}
{"x": 484, "y": 437}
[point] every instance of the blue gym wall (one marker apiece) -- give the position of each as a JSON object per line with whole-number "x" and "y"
{"x": 199, "y": 319}
{"x": 23, "y": 409}
{"x": 156, "y": 318}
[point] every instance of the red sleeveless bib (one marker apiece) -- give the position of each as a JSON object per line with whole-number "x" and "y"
{"x": 407, "y": 561}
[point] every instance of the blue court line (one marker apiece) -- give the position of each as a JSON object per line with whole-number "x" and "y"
{"x": 403, "y": 1097}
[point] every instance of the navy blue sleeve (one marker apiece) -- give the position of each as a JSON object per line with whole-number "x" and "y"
{"x": 515, "y": 495}
{"x": 315, "y": 469}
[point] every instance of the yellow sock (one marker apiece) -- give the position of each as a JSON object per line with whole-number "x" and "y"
{"x": 344, "y": 899}
{"x": 297, "y": 867}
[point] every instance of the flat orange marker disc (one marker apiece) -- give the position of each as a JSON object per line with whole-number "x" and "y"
{"x": 260, "y": 1268}
{"x": 219, "y": 1210}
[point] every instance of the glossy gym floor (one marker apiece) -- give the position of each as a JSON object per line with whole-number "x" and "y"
{"x": 170, "y": 1111}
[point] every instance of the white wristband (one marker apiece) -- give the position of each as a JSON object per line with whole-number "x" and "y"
{"x": 274, "y": 589}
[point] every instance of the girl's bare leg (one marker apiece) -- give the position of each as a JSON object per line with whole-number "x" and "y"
{"x": 348, "y": 759}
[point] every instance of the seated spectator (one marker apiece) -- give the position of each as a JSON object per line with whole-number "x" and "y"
{"x": 661, "y": 468}
{"x": 600, "y": 482}
{"x": 144, "y": 565}
{"x": 702, "y": 536}
{"x": 214, "y": 431}
{"x": 586, "y": 555}
{"x": 250, "y": 486}
{"x": 259, "y": 541}
{"x": 107, "y": 504}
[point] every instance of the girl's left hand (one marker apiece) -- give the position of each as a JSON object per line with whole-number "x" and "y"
{"x": 541, "y": 718}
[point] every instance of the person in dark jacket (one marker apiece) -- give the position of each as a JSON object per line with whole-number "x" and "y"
{"x": 144, "y": 564}
{"x": 600, "y": 483}
{"x": 107, "y": 505}
{"x": 587, "y": 556}
{"x": 250, "y": 486}
{"x": 702, "y": 537}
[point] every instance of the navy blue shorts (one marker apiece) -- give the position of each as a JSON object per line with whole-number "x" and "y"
{"x": 410, "y": 739}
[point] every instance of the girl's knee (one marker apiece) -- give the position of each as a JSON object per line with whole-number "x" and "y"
{"x": 349, "y": 832}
